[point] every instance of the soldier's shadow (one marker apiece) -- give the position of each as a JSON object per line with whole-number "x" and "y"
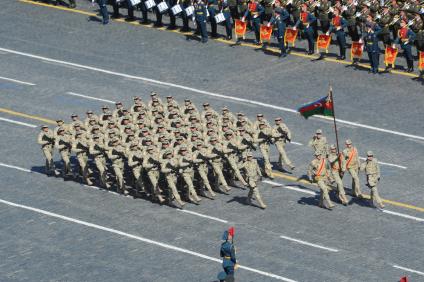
{"x": 242, "y": 201}
{"x": 310, "y": 201}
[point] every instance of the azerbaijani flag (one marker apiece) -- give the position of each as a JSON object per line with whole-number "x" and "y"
{"x": 322, "y": 106}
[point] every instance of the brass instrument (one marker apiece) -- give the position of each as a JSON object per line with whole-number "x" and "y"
{"x": 395, "y": 20}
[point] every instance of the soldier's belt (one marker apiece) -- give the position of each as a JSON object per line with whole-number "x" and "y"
{"x": 227, "y": 257}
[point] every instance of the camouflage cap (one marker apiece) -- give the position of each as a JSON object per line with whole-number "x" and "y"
{"x": 118, "y": 103}
{"x": 148, "y": 139}
{"x": 140, "y": 121}
{"x": 145, "y": 130}
{"x": 333, "y": 147}
{"x": 96, "y": 137}
{"x": 228, "y": 132}
{"x": 278, "y": 119}
{"x": 74, "y": 115}
{"x": 150, "y": 148}
{"x": 225, "y": 109}
{"x": 59, "y": 120}
{"x": 96, "y": 127}
{"x": 199, "y": 143}
{"x": 319, "y": 131}
{"x": 104, "y": 107}
{"x": 187, "y": 100}
{"x": 259, "y": 115}
{"x": 249, "y": 154}
{"x": 240, "y": 114}
{"x": 183, "y": 148}
{"x": 153, "y": 93}
{"x": 60, "y": 129}
{"x": 89, "y": 112}
{"x": 44, "y": 126}
{"x": 136, "y": 98}
{"x": 348, "y": 142}
{"x": 370, "y": 153}
{"x": 167, "y": 153}
{"x": 205, "y": 104}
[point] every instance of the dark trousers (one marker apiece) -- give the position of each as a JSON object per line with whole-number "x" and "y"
{"x": 353, "y": 32}
{"x": 201, "y": 28}
{"x": 309, "y": 34}
{"x": 213, "y": 22}
{"x": 103, "y": 11}
{"x": 407, "y": 52}
{"x": 158, "y": 17}
{"x": 325, "y": 25}
{"x": 185, "y": 20}
{"x": 234, "y": 12}
{"x": 256, "y": 23}
{"x": 282, "y": 44}
{"x": 374, "y": 58}
{"x": 229, "y": 27}
{"x": 341, "y": 40}
{"x": 171, "y": 18}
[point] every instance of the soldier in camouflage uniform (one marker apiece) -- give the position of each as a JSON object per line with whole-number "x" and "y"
{"x": 337, "y": 165}
{"x": 81, "y": 148}
{"x": 372, "y": 172}
{"x": 317, "y": 172}
{"x": 98, "y": 151}
{"x": 169, "y": 167}
{"x": 46, "y": 140}
{"x": 281, "y": 134}
{"x": 350, "y": 154}
{"x": 253, "y": 173}
{"x": 319, "y": 143}
{"x": 64, "y": 145}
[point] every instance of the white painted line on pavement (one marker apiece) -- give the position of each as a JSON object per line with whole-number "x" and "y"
{"x": 408, "y": 269}
{"x": 309, "y": 244}
{"x": 296, "y": 143}
{"x": 139, "y": 238}
{"x": 404, "y": 215}
{"x": 205, "y": 216}
{"x": 290, "y": 187}
{"x": 90, "y": 97}
{"x": 207, "y": 92}
{"x": 17, "y": 81}
{"x": 388, "y": 164}
{"x": 18, "y": 122}
{"x": 15, "y": 167}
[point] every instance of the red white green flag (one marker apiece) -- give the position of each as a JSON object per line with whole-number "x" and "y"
{"x": 323, "y": 106}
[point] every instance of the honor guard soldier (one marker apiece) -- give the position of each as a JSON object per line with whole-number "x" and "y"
{"x": 337, "y": 26}
{"x": 103, "y": 10}
{"x": 228, "y": 254}
{"x": 46, "y": 140}
{"x": 253, "y": 173}
{"x": 319, "y": 143}
{"x": 307, "y": 20}
{"x": 254, "y": 14}
{"x": 281, "y": 134}
{"x": 370, "y": 37}
{"x": 225, "y": 7}
{"x": 317, "y": 172}
{"x": 337, "y": 164}
{"x": 200, "y": 16}
{"x": 280, "y": 19}
{"x": 406, "y": 38}
{"x": 212, "y": 6}
{"x": 350, "y": 154}
{"x": 372, "y": 171}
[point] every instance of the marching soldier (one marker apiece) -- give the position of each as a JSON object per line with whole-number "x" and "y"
{"x": 64, "y": 145}
{"x": 350, "y": 154}
{"x": 135, "y": 161}
{"x": 317, "y": 172}
{"x": 253, "y": 173}
{"x": 337, "y": 164}
{"x": 319, "y": 143}
{"x": 116, "y": 155}
{"x": 46, "y": 140}
{"x": 186, "y": 165}
{"x": 215, "y": 151}
{"x": 80, "y": 147}
{"x": 151, "y": 164}
{"x": 230, "y": 149}
{"x": 372, "y": 171}
{"x": 281, "y": 135}
{"x": 200, "y": 158}
{"x": 264, "y": 139}
{"x": 98, "y": 151}
{"x": 169, "y": 167}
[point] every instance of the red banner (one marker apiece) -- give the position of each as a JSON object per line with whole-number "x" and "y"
{"x": 421, "y": 60}
{"x": 356, "y": 50}
{"x": 265, "y": 33}
{"x": 290, "y": 36}
{"x": 390, "y": 56}
{"x": 323, "y": 42}
{"x": 240, "y": 28}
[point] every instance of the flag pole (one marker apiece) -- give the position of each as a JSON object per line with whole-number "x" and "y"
{"x": 335, "y": 126}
